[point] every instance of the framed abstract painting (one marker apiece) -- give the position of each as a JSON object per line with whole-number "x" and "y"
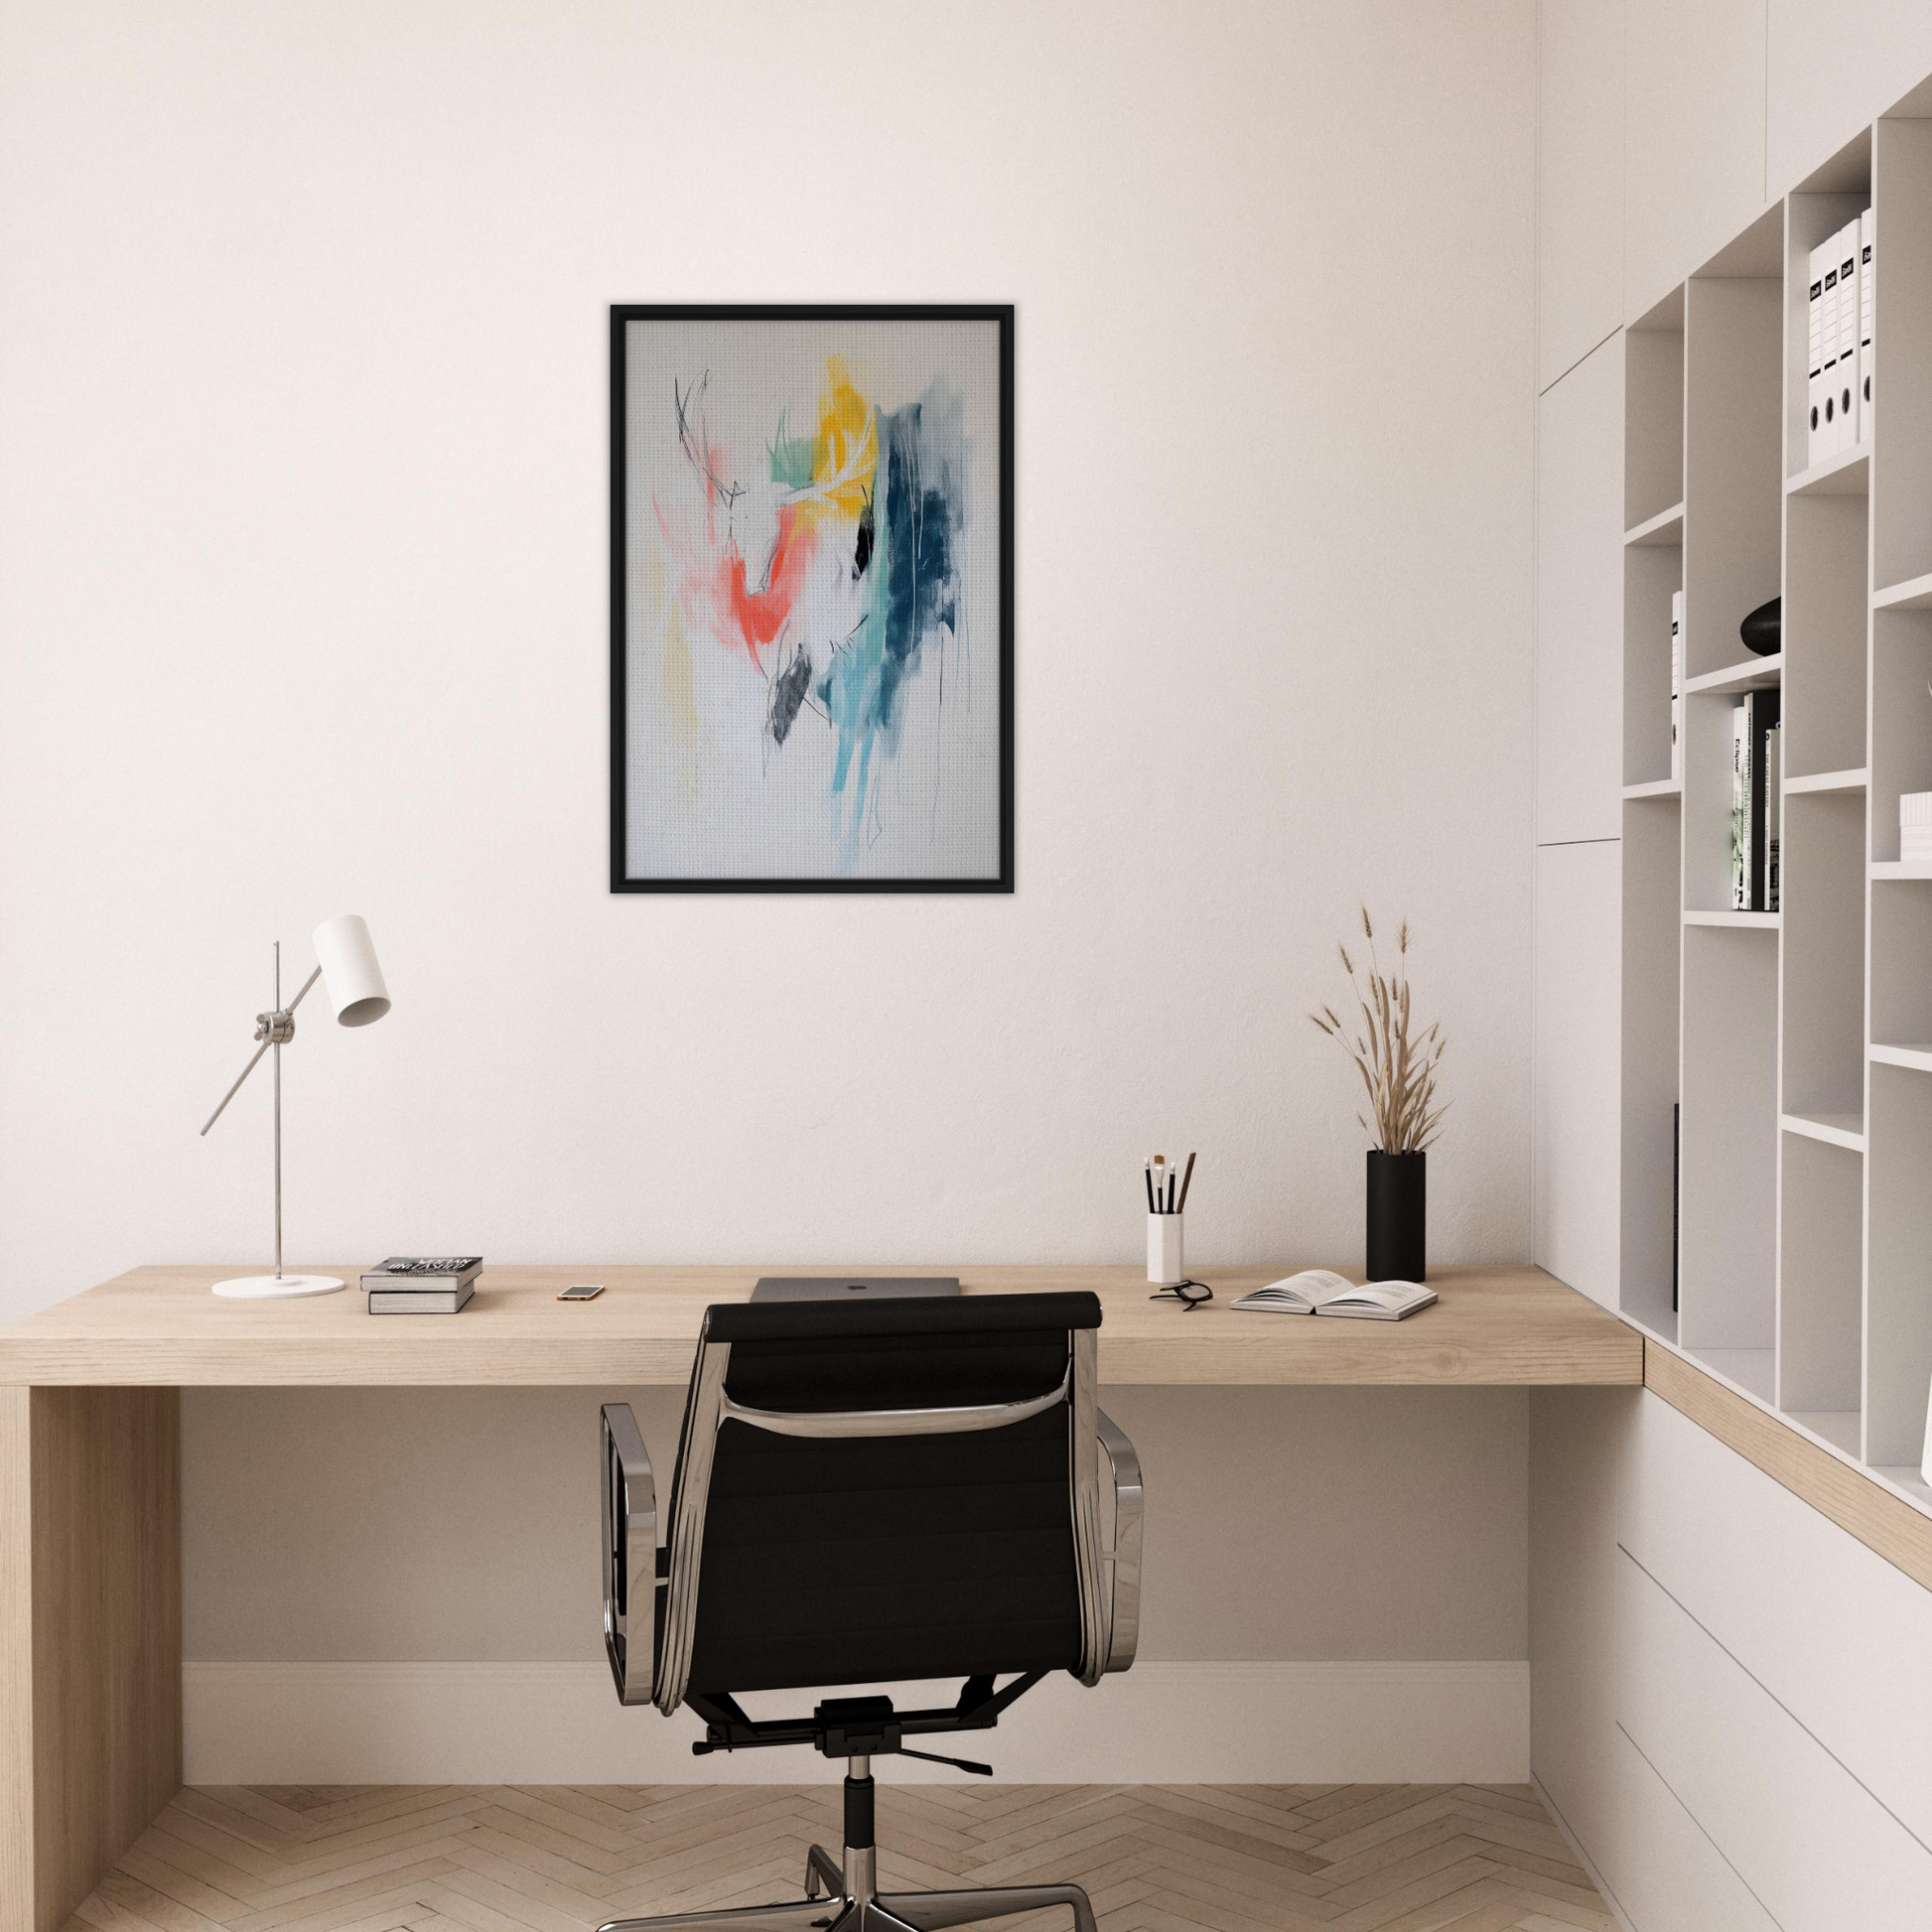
{"x": 811, "y": 598}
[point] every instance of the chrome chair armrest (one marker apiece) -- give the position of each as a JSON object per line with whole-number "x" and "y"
{"x": 629, "y": 1555}
{"x": 839, "y": 1423}
{"x": 1124, "y": 1559}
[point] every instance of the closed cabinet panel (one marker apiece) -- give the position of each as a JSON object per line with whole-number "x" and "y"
{"x": 1580, "y": 601}
{"x": 1575, "y": 1104}
{"x": 1839, "y": 1636}
{"x": 1578, "y": 180}
{"x": 1816, "y": 1849}
{"x": 1658, "y": 1863}
{"x": 1576, "y": 1445}
{"x": 1693, "y": 137}
{"x": 1833, "y": 65}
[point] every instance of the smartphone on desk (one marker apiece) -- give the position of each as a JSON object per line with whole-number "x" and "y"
{"x": 581, "y": 1291}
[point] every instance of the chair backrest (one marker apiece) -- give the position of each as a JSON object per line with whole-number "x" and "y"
{"x": 885, "y": 1491}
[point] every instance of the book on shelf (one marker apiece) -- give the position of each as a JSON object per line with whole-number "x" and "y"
{"x": 1824, "y": 259}
{"x": 1676, "y": 1193}
{"x": 1753, "y": 817}
{"x": 1868, "y": 236}
{"x": 1321, "y": 1290}
{"x": 1773, "y": 812}
{"x": 1740, "y": 811}
{"x": 1815, "y": 358}
{"x": 1677, "y": 687}
{"x": 1847, "y": 394}
{"x": 420, "y": 1300}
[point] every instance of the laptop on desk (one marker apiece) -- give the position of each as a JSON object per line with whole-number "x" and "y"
{"x": 851, "y": 1288}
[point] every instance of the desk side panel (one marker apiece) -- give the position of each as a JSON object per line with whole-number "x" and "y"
{"x": 103, "y": 1540}
{"x": 15, "y": 1665}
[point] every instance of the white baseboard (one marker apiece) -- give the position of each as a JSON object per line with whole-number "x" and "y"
{"x": 561, "y": 1723}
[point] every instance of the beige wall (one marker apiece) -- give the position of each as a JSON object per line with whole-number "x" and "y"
{"x": 302, "y": 493}
{"x": 1332, "y": 1524}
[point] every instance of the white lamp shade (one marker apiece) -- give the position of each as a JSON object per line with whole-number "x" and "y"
{"x": 350, "y": 975}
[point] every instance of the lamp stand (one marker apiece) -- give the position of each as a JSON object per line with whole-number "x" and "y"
{"x": 274, "y": 1028}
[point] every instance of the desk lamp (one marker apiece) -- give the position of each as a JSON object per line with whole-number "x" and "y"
{"x": 352, "y": 980}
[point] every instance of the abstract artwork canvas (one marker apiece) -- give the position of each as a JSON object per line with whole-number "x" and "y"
{"x": 811, "y": 653}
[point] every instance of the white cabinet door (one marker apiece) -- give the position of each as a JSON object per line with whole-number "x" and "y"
{"x": 1580, "y": 601}
{"x": 1817, "y": 1850}
{"x": 1833, "y": 66}
{"x": 1578, "y": 180}
{"x": 1693, "y": 137}
{"x": 1783, "y": 1588}
{"x": 1575, "y": 1114}
{"x": 1659, "y": 1865}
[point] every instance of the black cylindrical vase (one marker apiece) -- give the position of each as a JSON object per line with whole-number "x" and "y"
{"x": 1398, "y": 1216}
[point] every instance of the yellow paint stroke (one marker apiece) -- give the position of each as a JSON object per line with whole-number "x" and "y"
{"x": 683, "y": 726}
{"x": 845, "y": 452}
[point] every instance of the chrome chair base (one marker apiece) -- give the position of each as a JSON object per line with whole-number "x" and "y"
{"x": 858, "y": 1908}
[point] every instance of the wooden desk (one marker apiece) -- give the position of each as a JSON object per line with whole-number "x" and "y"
{"x": 160, "y": 1327}
{"x": 89, "y": 1462}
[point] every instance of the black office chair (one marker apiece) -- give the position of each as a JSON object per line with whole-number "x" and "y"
{"x": 866, "y": 1494}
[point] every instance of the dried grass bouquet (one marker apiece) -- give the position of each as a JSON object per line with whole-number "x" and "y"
{"x": 1399, "y": 1072}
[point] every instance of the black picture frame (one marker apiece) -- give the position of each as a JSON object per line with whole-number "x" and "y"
{"x": 624, "y": 314}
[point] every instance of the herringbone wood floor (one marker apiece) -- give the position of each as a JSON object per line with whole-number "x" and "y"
{"x": 561, "y": 1857}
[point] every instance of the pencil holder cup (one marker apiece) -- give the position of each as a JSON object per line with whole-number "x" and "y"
{"x": 1164, "y": 1248}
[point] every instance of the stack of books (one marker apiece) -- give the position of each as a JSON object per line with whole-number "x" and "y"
{"x": 1755, "y": 832}
{"x": 422, "y": 1284}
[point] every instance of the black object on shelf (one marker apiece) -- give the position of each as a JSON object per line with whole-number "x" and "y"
{"x": 1763, "y": 630}
{"x": 1676, "y": 1192}
{"x": 1398, "y": 1216}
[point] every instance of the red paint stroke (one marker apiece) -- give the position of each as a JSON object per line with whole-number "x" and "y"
{"x": 760, "y": 616}
{"x": 716, "y": 585}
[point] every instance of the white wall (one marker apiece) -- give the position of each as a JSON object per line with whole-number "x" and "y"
{"x": 302, "y": 482}
{"x": 302, "y": 445}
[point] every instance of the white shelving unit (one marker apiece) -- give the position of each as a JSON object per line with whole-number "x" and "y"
{"x": 1797, "y": 1043}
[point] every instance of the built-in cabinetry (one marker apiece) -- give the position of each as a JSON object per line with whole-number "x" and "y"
{"x": 1796, "y": 1042}
{"x": 1730, "y": 1689}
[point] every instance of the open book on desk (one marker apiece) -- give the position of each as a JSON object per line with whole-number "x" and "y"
{"x": 1321, "y": 1290}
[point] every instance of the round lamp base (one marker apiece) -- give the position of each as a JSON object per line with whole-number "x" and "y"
{"x": 276, "y": 1287}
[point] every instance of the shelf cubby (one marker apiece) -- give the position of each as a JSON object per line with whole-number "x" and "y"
{"x": 1813, "y": 214}
{"x": 1901, "y": 963}
{"x": 1652, "y": 573}
{"x": 1825, "y": 612}
{"x": 1901, "y": 401}
{"x": 1733, "y": 481}
{"x": 1653, "y": 432}
{"x": 1729, "y": 1084}
{"x": 1822, "y": 921}
{"x": 1707, "y": 803}
{"x": 1901, "y": 719}
{"x": 1653, "y": 939}
{"x": 1821, "y": 1286}
{"x": 1898, "y": 1310}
